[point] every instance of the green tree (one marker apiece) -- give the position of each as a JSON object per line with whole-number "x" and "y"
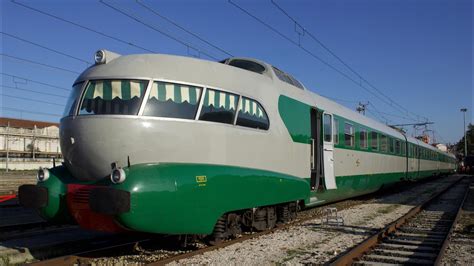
{"x": 470, "y": 142}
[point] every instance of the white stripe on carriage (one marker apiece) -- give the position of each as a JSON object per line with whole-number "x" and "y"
{"x": 184, "y": 94}
{"x": 154, "y": 91}
{"x": 116, "y": 89}
{"x": 211, "y": 98}
{"x": 169, "y": 91}
{"x": 134, "y": 89}
{"x": 254, "y": 108}
{"x": 222, "y": 99}
{"x": 98, "y": 90}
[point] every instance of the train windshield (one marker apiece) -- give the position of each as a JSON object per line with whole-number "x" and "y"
{"x": 113, "y": 97}
{"x": 73, "y": 97}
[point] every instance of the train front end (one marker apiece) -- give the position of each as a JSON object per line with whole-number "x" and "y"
{"x": 142, "y": 153}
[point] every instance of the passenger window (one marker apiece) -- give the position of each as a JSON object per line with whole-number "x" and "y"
{"x": 172, "y": 100}
{"x": 363, "y": 138}
{"x": 403, "y": 148}
{"x": 247, "y": 65}
{"x": 219, "y": 106}
{"x": 336, "y": 131}
{"x": 327, "y": 124}
{"x": 114, "y": 97}
{"x": 348, "y": 135}
{"x": 397, "y": 147}
{"x": 251, "y": 114}
{"x": 390, "y": 142}
{"x": 383, "y": 143}
{"x": 374, "y": 140}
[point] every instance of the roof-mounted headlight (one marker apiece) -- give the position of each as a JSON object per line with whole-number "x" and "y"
{"x": 99, "y": 57}
{"x": 42, "y": 175}
{"x": 104, "y": 56}
{"x": 117, "y": 176}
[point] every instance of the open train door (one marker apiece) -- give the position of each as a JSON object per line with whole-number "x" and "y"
{"x": 328, "y": 151}
{"x": 316, "y": 150}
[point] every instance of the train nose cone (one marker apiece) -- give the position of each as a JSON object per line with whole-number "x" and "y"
{"x": 89, "y": 146}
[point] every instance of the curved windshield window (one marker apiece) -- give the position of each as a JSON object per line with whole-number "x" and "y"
{"x": 251, "y": 114}
{"x": 115, "y": 97}
{"x": 172, "y": 100}
{"x": 248, "y": 65}
{"x": 71, "y": 101}
{"x": 219, "y": 106}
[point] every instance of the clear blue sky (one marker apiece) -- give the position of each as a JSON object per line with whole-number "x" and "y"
{"x": 418, "y": 52}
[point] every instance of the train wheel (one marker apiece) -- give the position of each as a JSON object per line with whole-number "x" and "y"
{"x": 227, "y": 226}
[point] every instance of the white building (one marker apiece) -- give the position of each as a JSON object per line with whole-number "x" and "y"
{"x": 26, "y": 142}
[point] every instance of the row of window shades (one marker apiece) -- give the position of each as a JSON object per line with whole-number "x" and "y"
{"x": 127, "y": 89}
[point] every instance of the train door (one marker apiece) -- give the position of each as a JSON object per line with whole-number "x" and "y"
{"x": 328, "y": 151}
{"x": 413, "y": 169}
{"x": 316, "y": 147}
{"x": 417, "y": 161}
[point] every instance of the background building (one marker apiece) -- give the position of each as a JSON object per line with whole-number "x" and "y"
{"x": 26, "y": 144}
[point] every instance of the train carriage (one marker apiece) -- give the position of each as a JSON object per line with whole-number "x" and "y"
{"x": 176, "y": 145}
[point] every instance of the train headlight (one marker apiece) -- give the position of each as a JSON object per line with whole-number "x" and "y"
{"x": 99, "y": 57}
{"x": 117, "y": 176}
{"x": 42, "y": 175}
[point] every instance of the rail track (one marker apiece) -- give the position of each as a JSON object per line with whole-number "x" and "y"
{"x": 419, "y": 237}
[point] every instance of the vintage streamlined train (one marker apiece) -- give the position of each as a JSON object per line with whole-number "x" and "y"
{"x": 175, "y": 145}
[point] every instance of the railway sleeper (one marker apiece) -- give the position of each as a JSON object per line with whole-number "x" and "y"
{"x": 407, "y": 247}
{"x": 414, "y": 254}
{"x": 389, "y": 259}
{"x": 232, "y": 224}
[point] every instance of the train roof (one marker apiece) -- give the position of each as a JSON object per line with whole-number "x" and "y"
{"x": 251, "y": 70}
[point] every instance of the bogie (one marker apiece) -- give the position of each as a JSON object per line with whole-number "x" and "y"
{"x": 230, "y": 225}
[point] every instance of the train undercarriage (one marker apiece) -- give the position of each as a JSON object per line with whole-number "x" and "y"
{"x": 233, "y": 224}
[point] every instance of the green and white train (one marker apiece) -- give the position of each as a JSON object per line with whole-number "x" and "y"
{"x": 176, "y": 145}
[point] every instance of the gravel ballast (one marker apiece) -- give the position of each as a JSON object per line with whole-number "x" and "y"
{"x": 460, "y": 250}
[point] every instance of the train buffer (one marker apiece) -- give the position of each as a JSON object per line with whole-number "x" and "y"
{"x": 331, "y": 217}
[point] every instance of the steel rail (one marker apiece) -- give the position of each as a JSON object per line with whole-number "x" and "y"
{"x": 83, "y": 258}
{"x": 23, "y": 226}
{"x": 447, "y": 240}
{"x": 361, "y": 249}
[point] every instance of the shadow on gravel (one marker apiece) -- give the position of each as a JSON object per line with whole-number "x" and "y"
{"x": 346, "y": 229}
{"x": 427, "y": 187}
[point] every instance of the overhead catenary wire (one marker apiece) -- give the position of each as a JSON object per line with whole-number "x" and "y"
{"x": 27, "y": 111}
{"x": 35, "y": 81}
{"x": 31, "y": 100}
{"x": 170, "y": 36}
{"x": 39, "y": 63}
{"x": 375, "y": 109}
{"x": 33, "y": 91}
{"x": 377, "y": 116}
{"x": 398, "y": 116}
{"x": 339, "y": 59}
{"x": 84, "y": 27}
{"x": 44, "y": 47}
{"x": 182, "y": 28}
{"x": 308, "y": 51}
